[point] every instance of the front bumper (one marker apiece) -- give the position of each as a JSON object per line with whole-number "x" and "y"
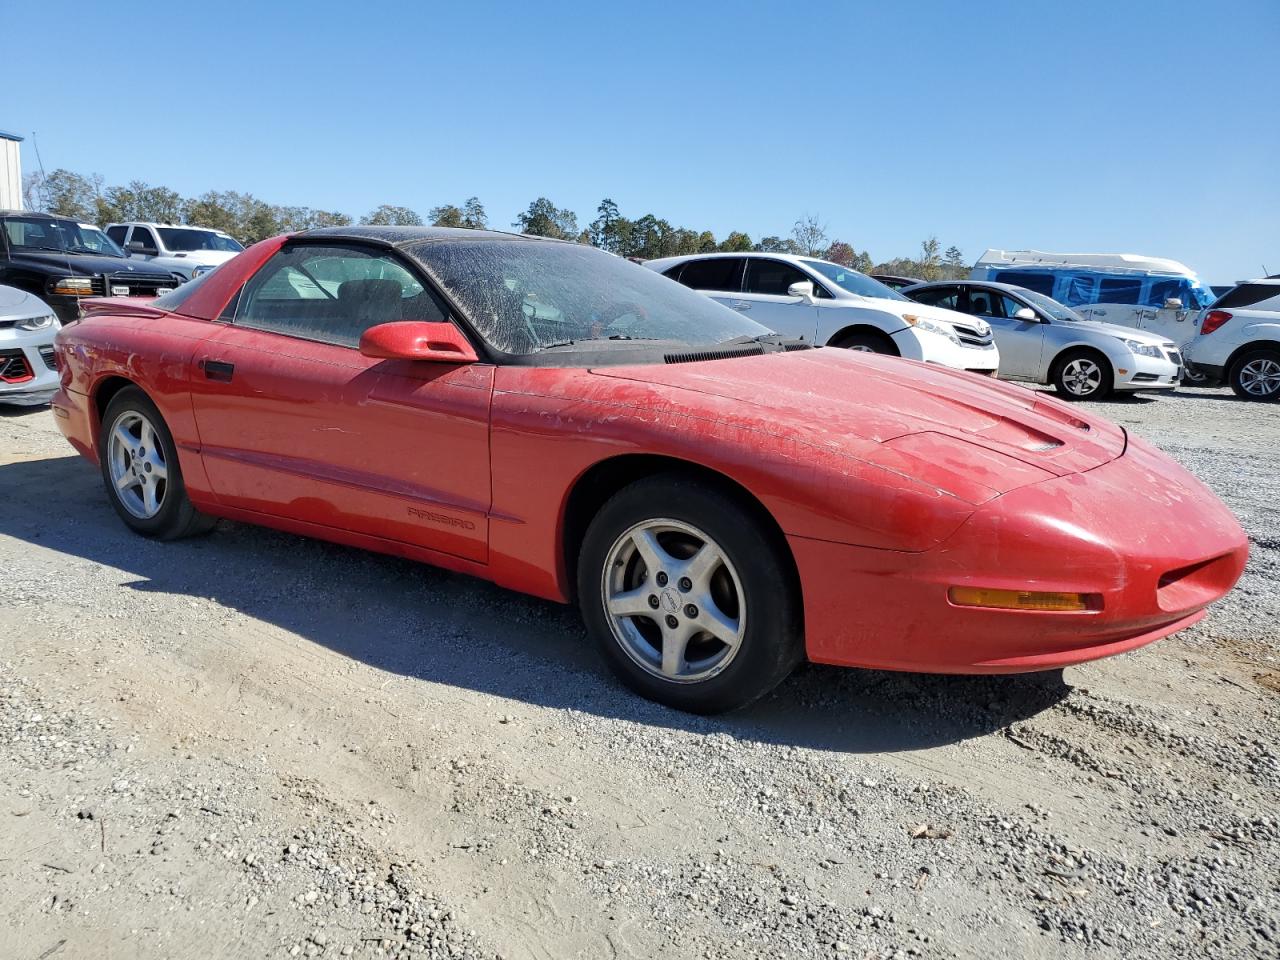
{"x": 932, "y": 348}
{"x": 1147, "y": 373}
{"x": 27, "y": 374}
{"x": 1139, "y": 532}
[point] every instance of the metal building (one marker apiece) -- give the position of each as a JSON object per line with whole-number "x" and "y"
{"x": 10, "y": 171}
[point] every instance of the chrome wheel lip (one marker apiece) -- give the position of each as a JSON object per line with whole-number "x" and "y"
{"x": 672, "y": 603}
{"x": 136, "y": 464}
{"x": 1082, "y": 377}
{"x": 1260, "y": 377}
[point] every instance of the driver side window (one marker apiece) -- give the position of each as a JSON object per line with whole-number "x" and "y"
{"x": 333, "y": 294}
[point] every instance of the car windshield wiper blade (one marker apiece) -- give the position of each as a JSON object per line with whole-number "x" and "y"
{"x": 96, "y": 253}
{"x": 34, "y": 246}
{"x": 777, "y": 339}
{"x": 576, "y": 340}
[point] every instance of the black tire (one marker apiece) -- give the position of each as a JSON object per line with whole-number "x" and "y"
{"x": 1069, "y": 386}
{"x": 867, "y": 341}
{"x": 1261, "y": 360}
{"x": 1193, "y": 377}
{"x": 771, "y": 628}
{"x": 176, "y": 517}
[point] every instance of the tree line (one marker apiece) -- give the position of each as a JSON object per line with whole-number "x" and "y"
{"x": 249, "y": 219}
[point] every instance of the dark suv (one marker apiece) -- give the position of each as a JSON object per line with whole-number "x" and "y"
{"x": 61, "y": 261}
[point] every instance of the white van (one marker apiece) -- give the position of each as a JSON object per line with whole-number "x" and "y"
{"x": 1149, "y": 293}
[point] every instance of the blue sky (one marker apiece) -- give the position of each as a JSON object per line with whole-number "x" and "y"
{"x": 1103, "y": 126}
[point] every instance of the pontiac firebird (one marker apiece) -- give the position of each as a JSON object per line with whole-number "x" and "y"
{"x": 720, "y": 502}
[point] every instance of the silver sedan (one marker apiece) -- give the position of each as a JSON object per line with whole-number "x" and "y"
{"x": 1042, "y": 341}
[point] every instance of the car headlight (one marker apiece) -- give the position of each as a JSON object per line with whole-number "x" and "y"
{"x": 35, "y": 323}
{"x": 932, "y": 326}
{"x": 73, "y": 287}
{"x": 1140, "y": 349}
{"x": 201, "y": 270}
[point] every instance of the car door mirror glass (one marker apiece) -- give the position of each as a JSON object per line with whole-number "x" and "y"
{"x": 417, "y": 340}
{"x": 1026, "y": 314}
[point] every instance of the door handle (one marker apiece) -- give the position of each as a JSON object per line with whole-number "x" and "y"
{"x": 741, "y": 305}
{"x": 218, "y": 370}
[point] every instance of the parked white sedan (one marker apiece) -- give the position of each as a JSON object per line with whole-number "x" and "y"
{"x": 827, "y": 304}
{"x": 1043, "y": 341}
{"x": 27, "y": 326}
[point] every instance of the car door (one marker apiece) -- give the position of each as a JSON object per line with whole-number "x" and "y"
{"x": 295, "y": 423}
{"x": 142, "y": 243}
{"x": 765, "y": 300}
{"x": 719, "y": 278}
{"x": 1021, "y": 342}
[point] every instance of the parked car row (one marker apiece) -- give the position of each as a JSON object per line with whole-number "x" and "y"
{"x": 62, "y": 261}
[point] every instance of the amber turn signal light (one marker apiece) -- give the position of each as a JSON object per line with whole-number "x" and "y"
{"x": 1022, "y": 599}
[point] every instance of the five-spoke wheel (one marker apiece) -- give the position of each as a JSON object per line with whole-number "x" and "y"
{"x": 1082, "y": 375}
{"x": 690, "y": 593}
{"x": 137, "y": 464}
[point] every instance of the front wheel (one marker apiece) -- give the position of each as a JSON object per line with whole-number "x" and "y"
{"x": 141, "y": 472}
{"x": 1082, "y": 375}
{"x": 866, "y": 341}
{"x": 1256, "y": 375}
{"x": 688, "y": 596}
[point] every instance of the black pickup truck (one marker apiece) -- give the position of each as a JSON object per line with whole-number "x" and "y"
{"x": 62, "y": 261}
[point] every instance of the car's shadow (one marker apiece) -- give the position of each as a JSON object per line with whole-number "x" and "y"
{"x": 430, "y": 625}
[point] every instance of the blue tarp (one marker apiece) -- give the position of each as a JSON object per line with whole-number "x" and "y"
{"x": 1079, "y": 286}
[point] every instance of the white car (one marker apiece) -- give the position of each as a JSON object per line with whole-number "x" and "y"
{"x": 27, "y": 325}
{"x": 1042, "y": 341}
{"x": 1239, "y": 340}
{"x": 827, "y": 304}
{"x": 184, "y": 251}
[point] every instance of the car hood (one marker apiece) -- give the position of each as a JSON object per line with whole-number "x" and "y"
{"x": 17, "y": 304}
{"x": 899, "y": 307}
{"x": 82, "y": 264}
{"x": 1117, "y": 330}
{"x": 989, "y": 437}
{"x": 212, "y": 258}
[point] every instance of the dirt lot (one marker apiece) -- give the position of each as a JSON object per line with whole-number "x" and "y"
{"x": 256, "y": 745}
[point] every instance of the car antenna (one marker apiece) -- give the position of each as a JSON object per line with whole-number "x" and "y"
{"x": 44, "y": 179}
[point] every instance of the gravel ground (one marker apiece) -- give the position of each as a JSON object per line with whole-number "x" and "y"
{"x": 251, "y": 744}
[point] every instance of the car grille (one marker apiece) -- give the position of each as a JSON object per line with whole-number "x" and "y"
{"x": 970, "y": 336}
{"x": 140, "y": 286}
{"x": 50, "y": 357}
{"x": 14, "y": 367}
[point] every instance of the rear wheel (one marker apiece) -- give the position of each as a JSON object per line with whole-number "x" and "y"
{"x": 867, "y": 341}
{"x": 141, "y": 472}
{"x": 1082, "y": 375}
{"x": 688, "y": 597}
{"x": 1256, "y": 375}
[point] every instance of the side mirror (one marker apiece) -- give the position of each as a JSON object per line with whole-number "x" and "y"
{"x": 136, "y": 246}
{"x": 1026, "y": 314}
{"x": 1173, "y": 303}
{"x": 801, "y": 288}
{"x": 417, "y": 340}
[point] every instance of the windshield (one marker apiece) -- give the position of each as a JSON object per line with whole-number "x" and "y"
{"x": 62, "y": 236}
{"x": 853, "y": 281}
{"x": 189, "y": 238}
{"x": 1050, "y": 306}
{"x": 527, "y": 296}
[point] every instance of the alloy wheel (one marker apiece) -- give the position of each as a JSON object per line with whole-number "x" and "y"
{"x": 139, "y": 473}
{"x": 673, "y": 600}
{"x": 1082, "y": 376}
{"x": 1260, "y": 377}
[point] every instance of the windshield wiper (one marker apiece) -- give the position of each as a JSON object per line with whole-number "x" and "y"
{"x": 612, "y": 336}
{"x": 32, "y": 246}
{"x": 765, "y": 339}
{"x": 96, "y": 253}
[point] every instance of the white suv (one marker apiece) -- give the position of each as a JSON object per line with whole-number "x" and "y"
{"x": 827, "y": 304}
{"x": 1239, "y": 340}
{"x": 183, "y": 251}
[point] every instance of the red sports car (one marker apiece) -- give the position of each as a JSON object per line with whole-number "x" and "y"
{"x": 719, "y": 501}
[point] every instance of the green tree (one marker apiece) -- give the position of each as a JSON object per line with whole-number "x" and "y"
{"x": 776, "y": 245}
{"x": 610, "y": 230}
{"x": 930, "y": 261}
{"x": 445, "y": 216}
{"x": 736, "y": 242}
{"x": 545, "y": 219}
{"x": 391, "y": 216}
{"x": 473, "y": 215}
{"x": 707, "y": 242}
{"x": 862, "y": 262}
{"x": 64, "y": 194}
